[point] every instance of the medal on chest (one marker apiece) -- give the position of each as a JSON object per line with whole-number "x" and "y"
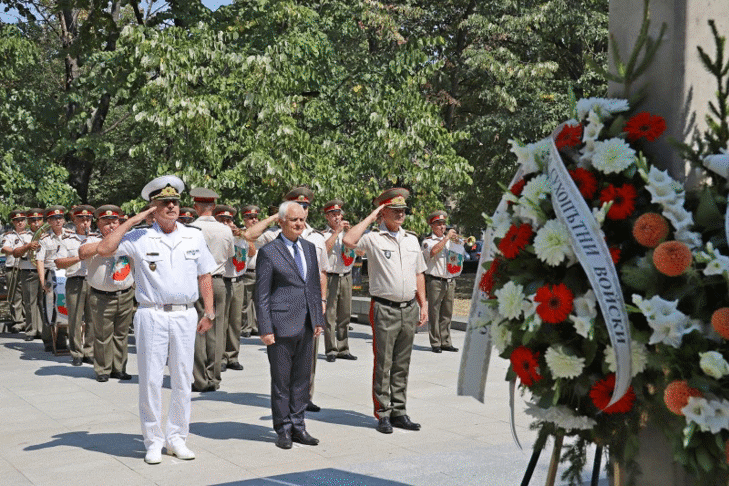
{"x": 152, "y": 266}
{"x": 388, "y": 254}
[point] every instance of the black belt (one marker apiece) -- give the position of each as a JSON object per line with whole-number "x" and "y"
{"x": 115, "y": 293}
{"x": 76, "y": 276}
{"x": 439, "y": 278}
{"x": 251, "y": 271}
{"x": 399, "y": 305}
{"x": 218, "y": 276}
{"x": 339, "y": 274}
{"x": 233, "y": 279}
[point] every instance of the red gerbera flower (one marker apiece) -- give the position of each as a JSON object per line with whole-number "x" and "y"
{"x": 615, "y": 254}
{"x": 586, "y": 182}
{"x": 555, "y": 303}
{"x": 623, "y": 199}
{"x": 569, "y": 136}
{"x": 518, "y": 187}
{"x": 487, "y": 279}
{"x": 515, "y": 240}
{"x": 602, "y": 391}
{"x": 645, "y": 125}
{"x": 525, "y": 365}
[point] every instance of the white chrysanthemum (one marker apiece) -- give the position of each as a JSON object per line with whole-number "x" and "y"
{"x": 602, "y": 106}
{"x": 560, "y": 416}
{"x": 612, "y": 156}
{"x": 511, "y": 300}
{"x": 552, "y": 243}
{"x": 713, "y": 364}
{"x": 638, "y": 358}
{"x": 563, "y": 364}
{"x": 584, "y": 311}
{"x": 500, "y": 337}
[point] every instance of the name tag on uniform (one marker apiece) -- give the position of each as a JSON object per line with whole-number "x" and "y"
{"x": 192, "y": 254}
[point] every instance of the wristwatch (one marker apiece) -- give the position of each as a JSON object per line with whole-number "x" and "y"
{"x": 210, "y": 316}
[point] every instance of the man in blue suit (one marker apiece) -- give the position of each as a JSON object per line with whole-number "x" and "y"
{"x": 289, "y": 307}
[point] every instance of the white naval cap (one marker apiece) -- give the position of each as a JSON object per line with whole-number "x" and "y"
{"x": 163, "y": 187}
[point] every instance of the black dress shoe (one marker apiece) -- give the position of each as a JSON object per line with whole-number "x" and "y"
{"x": 246, "y": 334}
{"x": 254, "y": 333}
{"x": 76, "y": 362}
{"x": 87, "y": 360}
{"x": 449, "y": 348}
{"x": 311, "y": 407}
{"x": 284, "y": 440}
{"x": 437, "y": 349}
{"x": 348, "y": 356}
{"x": 223, "y": 367}
{"x": 235, "y": 366}
{"x": 121, "y": 375}
{"x": 29, "y": 338}
{"x": 384, "y": 426}
{"x": 331, "y": 358}
{"x": 303, "y": 437}
{"x": 102, "y": 378}
{"x": 404, "y": 422}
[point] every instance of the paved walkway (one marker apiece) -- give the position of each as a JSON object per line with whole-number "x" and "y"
{"x": 61, "y": 427}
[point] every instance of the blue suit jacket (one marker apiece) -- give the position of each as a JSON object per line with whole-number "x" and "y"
{"x": 283, "y": 299}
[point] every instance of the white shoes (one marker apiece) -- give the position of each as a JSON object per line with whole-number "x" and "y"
{"x": 180, "y": 451}
{"x": 153, "y": 456}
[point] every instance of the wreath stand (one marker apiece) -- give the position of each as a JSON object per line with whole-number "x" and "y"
{"x": 554, "y": 462}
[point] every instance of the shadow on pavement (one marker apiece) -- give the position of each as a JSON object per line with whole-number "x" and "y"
{"x": 242, "y": 398}
{"x": 233, "y": 430}
{"x": 317, "y": 477}
{"x": 114, "y": 444}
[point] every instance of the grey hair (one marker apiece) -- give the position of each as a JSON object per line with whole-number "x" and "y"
{"x": 284, "y": 208}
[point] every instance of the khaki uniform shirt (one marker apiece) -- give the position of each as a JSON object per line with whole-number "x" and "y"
{"x": 10, "y": 240}
{"x": 219, "y": 238}
{"x": 70, "y": 244}
{"x": 23, "y": 239}
{"x": 446, "y": 264}
{"x": 341, "y": 258}
{"x": 49, "y": 245}
{"x": 393, "y": 263}
{"x": 108, "y": 274}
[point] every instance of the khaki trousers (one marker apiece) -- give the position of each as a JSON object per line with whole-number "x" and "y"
{"x": 235, "y": 320}
{"x": 249, "y": 288}
{"x": 339, "y": 313}
{"x": 111, "y": 316}
{"x": 209, "y": 347}
{"x": 80, "y": 326}
{"x": 32, "y": 294}
{"x": 17, "y": 314}
{"x": 393, "y": 331}
{"x": 440, "y": 310}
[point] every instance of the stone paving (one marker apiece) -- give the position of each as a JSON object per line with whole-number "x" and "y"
{"x": 61, "y": 427}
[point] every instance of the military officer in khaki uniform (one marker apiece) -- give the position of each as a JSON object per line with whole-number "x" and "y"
{"x": 111, "y": 299}
{"x": 210, "y": 347}
{"x": 80, "y": 327}
{"x": 233, "y": 276}
{"x": 339, "y": 284}
{"x": 444, "y": 259}
{"x": 395, "y": 266}
{"x": 32, "y": 293}
{"x": 10, "y": 240}
{"x": 187, "y": 215}
{"x": 45, "y": 261}
{"x": 250, "y": 326}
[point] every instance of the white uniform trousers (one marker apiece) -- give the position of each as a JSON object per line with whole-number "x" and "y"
{"x": 165, "y": 337}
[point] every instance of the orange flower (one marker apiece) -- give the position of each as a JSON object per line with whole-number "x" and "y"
{"x": 720, "y": 322}
{"x": 672, "y": 258}
{"x": 677, "y": 395}
{"x": 650, "y": 229}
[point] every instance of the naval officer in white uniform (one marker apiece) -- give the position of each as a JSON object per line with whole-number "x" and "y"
{"x": 170, "y": 260}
